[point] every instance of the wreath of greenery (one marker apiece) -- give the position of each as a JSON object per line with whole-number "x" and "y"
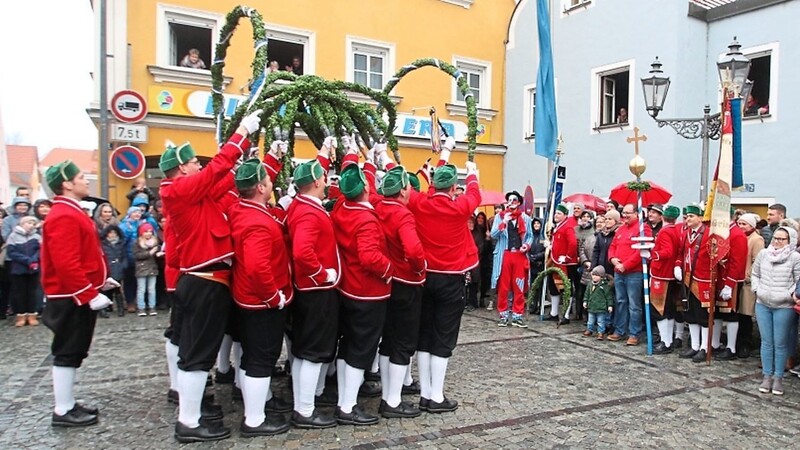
{"x": 539, "y": 280}
{"x": 638, "y": 186}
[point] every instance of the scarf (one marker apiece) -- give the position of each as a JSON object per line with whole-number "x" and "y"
{"x": 516, "y": 214}
{"x": 778, "y": 255}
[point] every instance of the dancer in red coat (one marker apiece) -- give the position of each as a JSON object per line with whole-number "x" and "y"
{"x": 563, "y": 255}
{"x": 73, "y": 274}
{"x": 730, "y": 282}
{"x": 665, "y": 290}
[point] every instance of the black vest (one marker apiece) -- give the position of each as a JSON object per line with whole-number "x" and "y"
{"x": 514, "y": 240}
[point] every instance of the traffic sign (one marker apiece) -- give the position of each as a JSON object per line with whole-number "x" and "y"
{"x": 127, "y": 162}
{"x": 122, "y": 132}
{"x": 128, "y": 106}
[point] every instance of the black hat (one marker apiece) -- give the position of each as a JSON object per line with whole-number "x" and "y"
{"x": 656, "y": 207}
{"x": 515, "y": 193}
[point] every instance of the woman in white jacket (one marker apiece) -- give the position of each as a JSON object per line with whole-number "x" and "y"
{"x": 775, "y": 273}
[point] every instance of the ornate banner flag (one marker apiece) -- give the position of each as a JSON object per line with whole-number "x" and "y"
{"x": 718, "y": 207}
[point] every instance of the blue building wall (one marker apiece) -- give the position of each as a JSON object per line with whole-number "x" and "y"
{"x": 612, "y": 31}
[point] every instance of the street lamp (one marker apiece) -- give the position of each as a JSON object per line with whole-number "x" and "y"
{"x": 733, "y": 69}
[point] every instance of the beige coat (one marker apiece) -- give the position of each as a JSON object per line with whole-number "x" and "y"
{"x": 747, "y": 305}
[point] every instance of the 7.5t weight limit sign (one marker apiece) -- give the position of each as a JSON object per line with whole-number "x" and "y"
{"x": 121, "y": 132}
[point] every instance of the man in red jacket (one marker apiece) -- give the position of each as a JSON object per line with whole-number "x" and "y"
{"x": 73, "y": 274}
{"x": 730, "y": 280}
{"x": 450, "y": 252}
{"x": 205, "y": 249}
{"x": 262, "y": 288}
{"x": 315, "y": 312}
{"x": 401, "y": 329}
{"x": 364, "y": 290}
{"x": 627, "y": 263}
{"x": 665, "y": 290}
{"x": 564, "y": 255}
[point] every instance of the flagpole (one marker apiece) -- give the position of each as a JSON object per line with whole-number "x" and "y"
{"x": 548, "y": 221}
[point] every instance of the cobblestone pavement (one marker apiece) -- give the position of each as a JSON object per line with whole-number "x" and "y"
{"x": 540, "y": 387}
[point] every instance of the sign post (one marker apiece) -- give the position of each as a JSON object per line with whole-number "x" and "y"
{"x": 128, "y": 106}
{"x": 127, "y": 162}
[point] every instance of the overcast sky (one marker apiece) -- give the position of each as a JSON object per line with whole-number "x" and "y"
{"x": 47, "y": 48}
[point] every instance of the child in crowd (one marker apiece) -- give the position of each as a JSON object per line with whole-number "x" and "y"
{"x": 23, "y": 252}
{"x": 144, "y": 251}
{"x": 116, "y": 258}
{"x": 598, "y": 300}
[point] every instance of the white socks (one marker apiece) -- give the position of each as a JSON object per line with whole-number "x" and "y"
{"x": 717, "y": 334}
{"x": 224, "y": 354}
{"x": 679, "y": 329}
{"x": 63, "y": 383}
{"x": 340, "y": 380}
{"x": 353, "y": 377}
{"x": 236, "y": 353}
{"x": 694, "y": 332}
{"x": 254, "y": 392}
{"x": 424, "y": 367}
{"x": 665, "y": 332}
{"x": 396, "y": 375}
{"x": 409, "y": 380}
{"x": 438, "y": 372}
{"x": 190, "y": 390}
{"x": 554, "y": 301}
{"x": 304, "y": 381}
{"x": 732, "y": 331}
{"x": 703, "y": 338}
{"x": 670, "y": 331}
{"x": 323, "y": 373}
{"x": 384, "y": 368}
{"x": 172, "y": 364}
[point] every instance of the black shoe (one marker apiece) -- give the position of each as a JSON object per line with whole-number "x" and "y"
{"x": 411, "y": 389}
{"x": 677, "y": 343}
{"x": 688, "y": 353}
{"x": 172, "y": 396}
{"x": 718, "y": 351}
{"x": 210, "y": 410}
{"x": 273, "y": 424}
{"x": 356, "y": 417}
{"x": 662, "y": 349}
{"x": 445, "y": 405}
{"x": 103, "y": 314}
{"x": 401, "y": 411}
{"x": 209, "y": 380}
{"x": 278, "y": 405}
{"x": 207, "y": 431}
{"x": 563, "y": 321}
{"x": 424, "y": 403}
{"x": 372, "y": 376}
{"x": 279, "y": 371}
{"x": 699, "y": 357}
{"x": 725, "y": 355}
{"x": 75, "y": 417}
{"x": 370, "y": 389}
{"x": 236, "y": 393}
{"x": 316, "y": 420}
{"x": 743, "y": 353}
{"x": 550, "y": 318}
{"x": 328, "y": 398}
{"x": 224, "y": 378}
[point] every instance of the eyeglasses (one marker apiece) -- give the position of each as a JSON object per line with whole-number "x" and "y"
{"x": 780, "y": 239}
{"x": 628, "y": 212}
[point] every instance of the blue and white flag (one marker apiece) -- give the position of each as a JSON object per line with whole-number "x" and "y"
{"x": 545, "y": 116}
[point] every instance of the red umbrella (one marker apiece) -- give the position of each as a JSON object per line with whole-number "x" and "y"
{"x": 624, "y": 195}
{"x": 489, "y": 198}
{"x": 591, "y": 202}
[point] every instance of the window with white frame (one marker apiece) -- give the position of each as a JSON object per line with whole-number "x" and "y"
{"x": 529, "y": 112}
{"x": 288, "y": 50}
{"x": 757, "y": 104}
{"x": 478, "y": 78}
{"x": 613, "y": 97}
{"x": 369, "y": 62}
{"x": 569, "y": 6}
{"x": 189, "y": 38}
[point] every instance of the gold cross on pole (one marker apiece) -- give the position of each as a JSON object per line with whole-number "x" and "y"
{"x": 635, "y": 139}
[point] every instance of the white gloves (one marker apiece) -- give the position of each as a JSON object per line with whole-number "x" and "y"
{"x": 278, "y": 148}
{"x": 327, "y": 146}
{"x": 726, "y": 293}
{"x": 506, "y": 217}
{"x": 282, "y": 296}
{"x": 644, "y": 253}
{"x": 524, "y": 248}
{"x": 546, "y": 244}
{"x": 472, "y": 168}
{"x": 331, "y": 275}
{"x": 252, "y": 121}
{"x": 349, "y": 144}
{"x": 99, "y": 302}
{"x": 110, "y": 284}
{"x": 380, "y": 148}
{"x": 384, "y": 160}
{"x": 562, "y": 259}
{"x": 678, "y": 273}
{"x": 285, "y": 201}
{"x": 449, "y": 144}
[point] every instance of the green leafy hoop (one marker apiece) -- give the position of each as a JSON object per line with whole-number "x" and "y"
{"x": 540, "y": 279}
{"x": 638, "y": 186}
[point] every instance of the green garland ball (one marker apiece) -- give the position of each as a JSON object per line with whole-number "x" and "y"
{"x": 567, "y": 293}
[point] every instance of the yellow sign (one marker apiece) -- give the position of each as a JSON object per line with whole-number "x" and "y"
{"x": 188, "y": 102}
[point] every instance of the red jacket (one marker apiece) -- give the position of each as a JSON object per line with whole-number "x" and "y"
{"x": 261, "y": 257}
{"x": 72, "y": 261}
{"x": 405, "y": 248}
{"x": 621, "y": 249}
{"x": 172, "y": 259}
{"x": 667, "y": 247}
{"x": 195, "y": 210}
{"x": 313, "y": 244}
{"x": 442, "y": 222}
{"x": 565, "y": 243}
{"x": 732, "y": 268}
{"x": 366, "y": 269}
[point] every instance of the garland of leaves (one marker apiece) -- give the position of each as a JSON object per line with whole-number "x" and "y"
{"x": 638, "y": 186}
{"x": 463, "y": 87}
{"x": 540, "y": 279}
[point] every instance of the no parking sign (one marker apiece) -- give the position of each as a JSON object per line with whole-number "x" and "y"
{"x": 127, "y": 162}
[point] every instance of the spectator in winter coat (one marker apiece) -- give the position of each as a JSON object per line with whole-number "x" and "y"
{"x": 104, "y": 216}
{"x": 140, "y": 190}
{"x": 146, "y": 269}
{"x": 536, "y": 258}
{"x": 130, "y": 231}
{"x": 41, "y": 208}
{"x": 116, "y": 259}
{"x": 585, "y": 233}
{"x": 603, "y": 241}
{"x": 23, "y": 252}
{"x": 20, "y": 207}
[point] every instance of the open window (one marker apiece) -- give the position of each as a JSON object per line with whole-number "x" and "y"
{"x": 529, "y": 112}
{"x": 760, "y": 74}
{"x": 190, "y": 34}
{"x": 611, "y": 95}
{"x": 290, "y": 50}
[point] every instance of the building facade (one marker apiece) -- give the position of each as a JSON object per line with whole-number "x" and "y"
{"x": 602, "y": 49}
{"x": 361, "y": 41}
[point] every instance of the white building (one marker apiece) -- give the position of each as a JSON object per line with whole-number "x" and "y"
{"x": 602, "y": 49}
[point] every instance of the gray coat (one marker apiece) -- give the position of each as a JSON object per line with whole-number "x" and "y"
{"x": 774, "y": 282}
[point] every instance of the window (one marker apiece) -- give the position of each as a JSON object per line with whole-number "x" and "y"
{"x": 478, "y": 77}
{"x": 611, "y": 92}
{"x": 291, "y": 49}
{"x": 529, "y": 112}
{"x": 760, "y": 75}
{"x": 572, "y": 6}
{"x": 189, "y": 30}
{"x": 369, "y": 62}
